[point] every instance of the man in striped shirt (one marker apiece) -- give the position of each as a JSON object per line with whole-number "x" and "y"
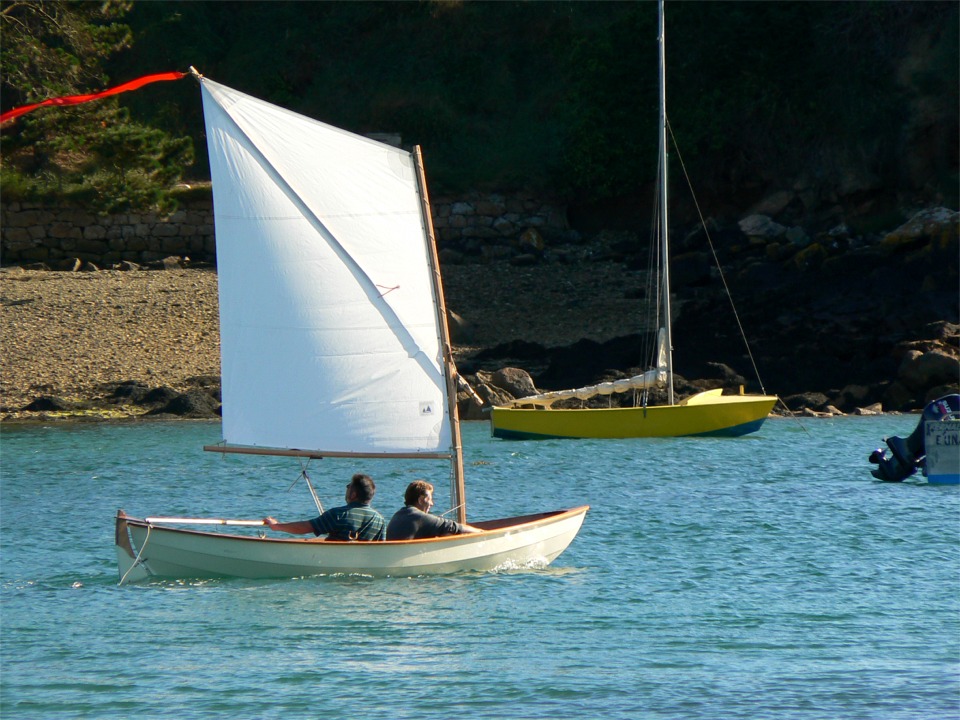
{"x": 354, "y": 521}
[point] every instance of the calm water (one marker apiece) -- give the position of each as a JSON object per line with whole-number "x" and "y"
{"x": 762, "y": 577}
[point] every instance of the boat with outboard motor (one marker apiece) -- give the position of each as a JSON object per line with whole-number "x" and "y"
{"x": 933, "y": 447}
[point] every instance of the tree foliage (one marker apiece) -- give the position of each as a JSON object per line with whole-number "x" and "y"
{"x": 759, "y": 93}
{"x": 91, "y": 153}
{"x": 555, "y": 96}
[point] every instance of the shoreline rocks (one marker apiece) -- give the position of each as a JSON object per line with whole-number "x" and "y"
{"x": 870, "y": 324}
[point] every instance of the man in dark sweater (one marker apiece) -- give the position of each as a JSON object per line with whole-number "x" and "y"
{"x": 414, "y": 521}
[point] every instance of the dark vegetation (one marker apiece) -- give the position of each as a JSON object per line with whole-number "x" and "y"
{"x": 557, "y": 98}
{"x": 841, "y": 119}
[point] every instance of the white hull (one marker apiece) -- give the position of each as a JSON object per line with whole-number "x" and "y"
{"x": 146, "y": 550}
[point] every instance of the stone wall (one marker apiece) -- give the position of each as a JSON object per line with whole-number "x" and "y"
{"x": 31, "y": 233}
{"x": 498, "y": 224}
{"x": 474, "y": 225}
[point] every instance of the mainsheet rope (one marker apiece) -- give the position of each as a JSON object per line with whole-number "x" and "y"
{"x": 78, "y": 99}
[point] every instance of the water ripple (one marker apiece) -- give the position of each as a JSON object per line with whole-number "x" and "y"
{"x": 765, "y": 577}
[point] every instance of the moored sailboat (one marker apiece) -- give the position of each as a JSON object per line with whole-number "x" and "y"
{"x": 334, "y": 343}
{"x": 709, "y": 413}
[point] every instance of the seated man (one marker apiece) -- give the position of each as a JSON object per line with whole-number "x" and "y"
{"x": 354, "y": 521}
{"x": 414, "y": 521}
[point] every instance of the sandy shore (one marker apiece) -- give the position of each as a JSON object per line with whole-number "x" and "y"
{"x": 66, "y": 334}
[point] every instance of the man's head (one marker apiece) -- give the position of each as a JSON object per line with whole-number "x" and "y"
{"x": 419, "y": 494}
{"x": 361, "y": 489}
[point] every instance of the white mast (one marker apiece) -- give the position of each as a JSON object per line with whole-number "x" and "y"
{"x": 664, "y": 233}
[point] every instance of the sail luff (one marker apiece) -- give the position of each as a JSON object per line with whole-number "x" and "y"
{"x": 664, "y": 229}
{"x": 458, "y": 485}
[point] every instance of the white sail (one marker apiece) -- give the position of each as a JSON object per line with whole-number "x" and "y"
{"x": 328, "y": 323}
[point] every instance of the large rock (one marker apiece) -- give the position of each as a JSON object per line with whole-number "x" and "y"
{"x": 761, "y": 227}
{"x": 50, "y": 403}
{"x": 515, "y": 381}
{"x": 191, "y": 404}
{"x": 922, "y": 371}
{"x": 159, "y": 396}
{"x": 937, "y": 224}
{"x": 488, "y": 391}
{"x": 130, "y": 391}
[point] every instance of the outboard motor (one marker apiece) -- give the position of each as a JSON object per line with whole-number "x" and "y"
{"x": 908, "y": 454}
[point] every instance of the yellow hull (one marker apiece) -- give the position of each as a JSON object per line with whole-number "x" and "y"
{"x": 707, "y": 413}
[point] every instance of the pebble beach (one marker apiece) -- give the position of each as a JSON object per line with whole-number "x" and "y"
{"x": 68, "y": 334}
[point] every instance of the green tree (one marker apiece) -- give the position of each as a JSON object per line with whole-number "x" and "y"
{"x": 91, "y": 153}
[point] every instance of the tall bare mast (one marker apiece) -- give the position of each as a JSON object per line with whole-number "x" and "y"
{"x": 664, "y": 232}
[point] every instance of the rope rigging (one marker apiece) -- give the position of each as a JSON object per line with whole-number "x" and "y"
{"x": 716, "y": 260}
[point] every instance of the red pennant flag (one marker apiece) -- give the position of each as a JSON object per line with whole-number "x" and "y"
{"x": 77, "y": 99}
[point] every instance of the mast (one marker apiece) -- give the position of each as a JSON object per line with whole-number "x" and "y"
{"x": 457, "y": 487}
{"x": 664, "y": 232}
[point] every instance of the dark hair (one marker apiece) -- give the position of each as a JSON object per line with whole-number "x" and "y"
{"x": 416, "y": 490}
{"x": 363, "y": 487}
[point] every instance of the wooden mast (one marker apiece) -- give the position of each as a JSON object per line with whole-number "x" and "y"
{"x": 457, "y": 487}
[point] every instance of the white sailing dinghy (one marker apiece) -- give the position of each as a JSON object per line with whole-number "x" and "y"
{"x": 708, "y": 413}
{"x": 334, "y": 343}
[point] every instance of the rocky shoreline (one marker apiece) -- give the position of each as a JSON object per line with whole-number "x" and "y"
{"x": 128, "y": 343}
{"x": 854, "y": 328}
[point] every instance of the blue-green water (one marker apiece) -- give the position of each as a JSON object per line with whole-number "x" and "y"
{"x": 764, "y": 577}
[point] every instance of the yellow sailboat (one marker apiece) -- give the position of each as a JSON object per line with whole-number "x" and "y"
{"x": 708, "y": 413}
